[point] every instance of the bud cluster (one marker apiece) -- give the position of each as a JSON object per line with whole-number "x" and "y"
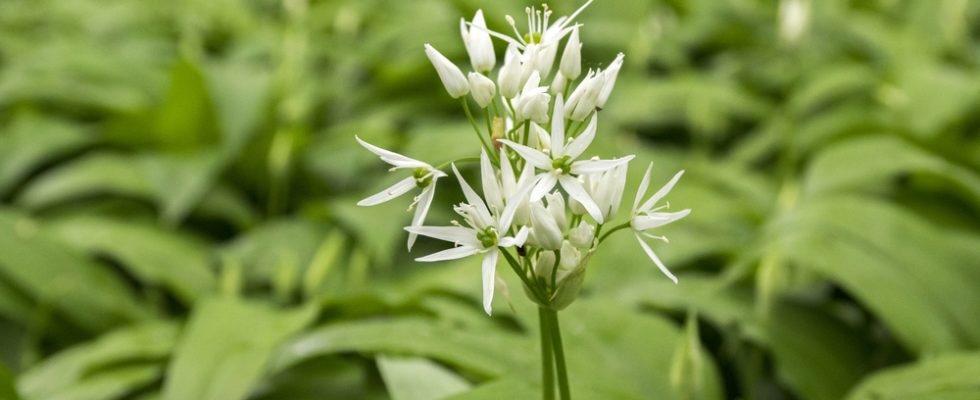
{"x": 540, "y": 197}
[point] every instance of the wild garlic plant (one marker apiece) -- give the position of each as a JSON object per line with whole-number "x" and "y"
{"x": 544, "y": 202}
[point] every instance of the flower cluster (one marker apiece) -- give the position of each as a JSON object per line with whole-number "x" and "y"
{"x": 541, "y": 197}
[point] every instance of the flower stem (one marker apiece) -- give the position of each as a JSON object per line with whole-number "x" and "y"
{"x": 559, "y": 353}
{"x": 476, "y": 128}
{"x": 614, "y": 229}
{"x": 547, "y": 360}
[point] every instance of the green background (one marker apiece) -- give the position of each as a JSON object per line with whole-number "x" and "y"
{"x": 178, "y": 183}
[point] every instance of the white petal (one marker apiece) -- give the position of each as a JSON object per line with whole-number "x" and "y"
{"x": 533, "y": 156}
{"x": 491, "y": 188}
{"x": 656, "y": 260}
{"x": 577, "y": 192}
{"x": 558, "y": 128}
{"x": 517, "y": 240}
{"x": 454, "y": 253}
{"x": 513, "y": 203}
{"x": 472, "y": 198}
{"x": 398, "y": 189}
{"x": 391, "y": 157}
{"x": 582, "y": 142}
{"x": 545, "y": 183}
{"x": 642, "y": 190}
{"x": 507, "y": 178}
{"x": 421, "y": 209}
{"x": 662, "y": 192}
{"x": 489, "y": 269}
{"x": 455, "y": 234}
{"x": 597, "y": 166}
{"x": 654, "y": 220}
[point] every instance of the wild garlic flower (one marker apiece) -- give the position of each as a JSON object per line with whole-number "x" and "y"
{"x": 452, "y": 78}
{"x": 424, "y": 176}
{"x": 645, "y": 216}
{"x": 478, "y": 43}
{"x": 485, "y": 233}
{"x": 561, "y": 165}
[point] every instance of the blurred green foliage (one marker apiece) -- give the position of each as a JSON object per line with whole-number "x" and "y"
{"x": 178, "y": 179}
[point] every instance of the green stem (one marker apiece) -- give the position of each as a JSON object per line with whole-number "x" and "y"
{"x": 458, "y": 160}
{"x": 555, "y": 332}
{"x": 547, "y": 359}
{"x": 616, "y": 228}
{"x": 479, "y": 135}
{"x": 521, "y": 274}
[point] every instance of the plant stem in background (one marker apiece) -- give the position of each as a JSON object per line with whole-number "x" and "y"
{"x": 547, "y": 360}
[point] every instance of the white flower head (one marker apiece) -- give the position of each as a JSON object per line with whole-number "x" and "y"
{"x": 482, "y": 89}
{"x": 452, "y": 78}
{"x": 478, "y": 43}
{"x": 560, "y": 165}
{"x": 645, "y": 217}
{"x": 485, "y": 234}
{"x": 424, "y": 176}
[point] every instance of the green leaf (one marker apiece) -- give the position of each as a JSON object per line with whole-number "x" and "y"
{"x": 53, "y": 275}
{"x": 415, "y": 378}
{"x": 225, "y": 346}
{"x": 155, "y": 256}
{"x": 30, "y": 141}
{"x": 502, "y": 389}
{"x": 114, "y": 363}
{"x": 7, "y": 389}
{"x": 953, "y": 376}
{"x": 94, "y": 174}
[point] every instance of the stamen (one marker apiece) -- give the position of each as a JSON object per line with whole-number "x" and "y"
{"x": 662, "y": 238}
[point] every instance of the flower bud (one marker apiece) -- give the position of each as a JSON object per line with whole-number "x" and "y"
{"x": 609, "y": 80}
{"x": 582, "y": 235}
{"x": 482, "y": 89}
{"x": 556, "y": 206}
{"x": 452, "y": 78}
{"x": 558, "y": 84}
{"x": 583, "y": 99}
{"x": 545, "y": 231}
{"x": 571, "y": 274}
{"x": 608, "y": 191}
{"x": 544, "y": 59}
{"x": 509, "y": 77}
{"x": 571, "y": 58}
{"x": 532, "y": 103}
{"x": 478, "y": 44}
{"x": 544, "y": 265}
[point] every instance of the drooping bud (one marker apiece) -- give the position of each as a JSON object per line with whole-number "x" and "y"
{"x": 476, "y": 38}
{"x": 482, "y": 89}
{"x": 571, "y": 58}
{"x": 609, "y": 80}
{"x": 452, "y": 78}
{"x": 545, "y": 231}
{"x": 582, "y": 235}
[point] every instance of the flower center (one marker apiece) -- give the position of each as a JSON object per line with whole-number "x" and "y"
{"x": 564, "y": 163}
{"x": 532, "y": 37}
{"x": 487, "y": 237}
{"x": 422, "y": 177}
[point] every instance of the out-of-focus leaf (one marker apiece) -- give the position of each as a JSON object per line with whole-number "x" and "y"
{"x": 155, "y": 256}
{"x": 224, "y": 349}
{"x": 53, "y": 275}
{"x": 7, "y": 389}
{"x": 30, "y": 141}
{"x": 179, "y": 181}
{"x": 273, "y": 243}
{"x": 501, "y": 389}
{"x": 954, "y": 376}
{"x": 414, "y": 378}
{"x": 114, "y": 363}
{"x": 94, "y": 174}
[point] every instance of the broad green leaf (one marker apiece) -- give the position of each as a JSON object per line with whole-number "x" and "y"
{"x": 508, "y": 388}
{"x": 117, "y": 362}
{"x": 223, "y": 351}
{"x": 156, "y": 256}
{"x": 94, "y": 174}
{"x": 7, "y": 389}
{"x": 84, "y": 292}
{"x": 32, "y": 140}
{"x": 415, "y": 378}
{"x": 954, "y": 376}
{"x": 274, "y": 243}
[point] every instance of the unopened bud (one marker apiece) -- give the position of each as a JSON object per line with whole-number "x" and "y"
{"x": 571, "y": 58}
{"x": 545, "y": 231}
{"x": 482, "y": 89}
{"x": 452, "y": 78}
{"x": 582, "y": 235}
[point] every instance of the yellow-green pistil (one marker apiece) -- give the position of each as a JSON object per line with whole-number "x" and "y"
{"x": 487, "y": 237}
{"x": 422, "y": 177}
{"x": 564, "y": 164}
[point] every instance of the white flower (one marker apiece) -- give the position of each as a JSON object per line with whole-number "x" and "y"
{"x": 606, "y": 189}
{"x": 793, "y": 18}
{"x": 478, "y": 43}
{"x": 424, "y": 176}
{"x": 582, "y": 235}
{"x": 647, "y": 217}
{"x": 482, "y": 89}
{"x": 532, "y": 103}
{"x": 558, "y": 84}
{"x": 509, "y": 186}
{"x": 583, "y": 99}
{"x": 571, "y": 57}
{"x": 452, "y": 78}
{"x": 509, "y": 77}
{"x": 485, "y": 233}
{"x": 560, "y": 163}
{"x": 545, "y": 232}
{"x": 609, "y": 80}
